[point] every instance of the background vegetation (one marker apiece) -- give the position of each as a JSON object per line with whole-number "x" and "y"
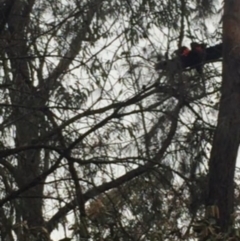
{"x": 95, "y": 144}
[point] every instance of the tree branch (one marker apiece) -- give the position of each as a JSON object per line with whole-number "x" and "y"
{"x": 124, "y": 178}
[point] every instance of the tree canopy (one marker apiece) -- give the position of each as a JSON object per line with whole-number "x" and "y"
{"x": 95, "y": 143}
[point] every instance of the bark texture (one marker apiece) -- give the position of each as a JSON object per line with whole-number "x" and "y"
{"x": 227, "y": 135}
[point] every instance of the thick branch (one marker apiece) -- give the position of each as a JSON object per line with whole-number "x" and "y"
{"x": 75, "y": 45}
{"x": 213, "y": 53}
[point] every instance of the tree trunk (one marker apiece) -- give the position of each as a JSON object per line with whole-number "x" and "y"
{"x": 28, "y": 126}
{"x": 227, "y": 135}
